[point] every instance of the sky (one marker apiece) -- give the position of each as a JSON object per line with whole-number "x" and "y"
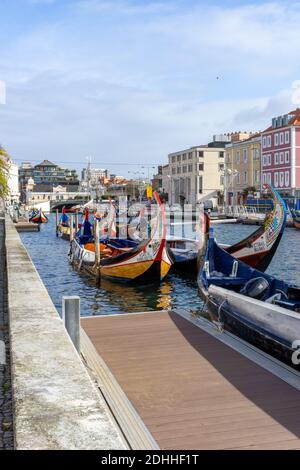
{"x": 128, "y": 81}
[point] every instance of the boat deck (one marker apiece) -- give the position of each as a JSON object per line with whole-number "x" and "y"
{"x": 190, "y": 389}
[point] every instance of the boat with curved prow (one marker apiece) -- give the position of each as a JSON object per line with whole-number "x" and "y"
{"x": 38, "y": 217}
{"x": 256, "y": 250}
{"x": 124, "y": 260}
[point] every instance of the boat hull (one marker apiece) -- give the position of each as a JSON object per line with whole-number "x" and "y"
{"x": 240, "y": 326}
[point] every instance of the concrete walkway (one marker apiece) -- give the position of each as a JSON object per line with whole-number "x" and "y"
{"x": 56, "y": 405}
{"x": 6, "y": 421}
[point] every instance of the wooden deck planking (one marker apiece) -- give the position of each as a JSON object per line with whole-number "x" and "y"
{"x": 191, "y": 390}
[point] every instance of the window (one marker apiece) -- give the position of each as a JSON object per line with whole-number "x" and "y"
{"x": 237, "y": 156}
{"x": 184, "y": 169}
{"x": 201, "y": 166}
{"x": 221, "y": 166}
{"x": 276, "y": 139}
{"x": 269, "y": 159}
{"x": 257, "y": 176}
{"x": 238, "y": 178}
{"x": 281, "y": 157}
{"x": 245, "y": 177}
{"x": 264, "y": 177}
{"x": 281, "y": 179}
{"x": 276, "y": 179}
{"x": 269, "y": 141}
{"x": 287, "y": 137}
{"x": 190, "y": 168}
{"x": 221, "y": 154}
{"x": 269, "y": 179}
{"x": 287, "y": 156}
{"x": 184, "y": 156}
{"x": 256, "y": 154}
{"x": 264, "y": 142}
{"x": 178, "y": 158}
{"x": 190, "y": 155}
{"x": 281, "y": 138}
{"x": 200, "y": 154}
{"x": 245, "y": 155}
{"x": 178, "y": 169}
{"x": 276, "y": 161}
{"x": 173, "y": 171}
{"x": 200, "y": 184}
{"x": 287, "y": 178}
{"x": 265, "y": 160}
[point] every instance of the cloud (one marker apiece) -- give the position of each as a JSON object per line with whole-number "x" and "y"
{"x": 133, "y": 81}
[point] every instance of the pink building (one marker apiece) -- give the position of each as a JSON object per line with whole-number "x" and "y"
{"x": 281, "y": 154}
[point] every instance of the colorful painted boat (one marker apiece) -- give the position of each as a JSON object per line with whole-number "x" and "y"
{"x": 259, "y": 308}
{"x": 38, "y": 217}
{"x": 63, "y": 229}
{"x": 123, "y": 260}
{"x": 296, "y": 218}
{"x": 256, "y": 250}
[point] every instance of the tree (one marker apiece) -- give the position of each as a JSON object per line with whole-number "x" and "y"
{"x": 4, "y": 167}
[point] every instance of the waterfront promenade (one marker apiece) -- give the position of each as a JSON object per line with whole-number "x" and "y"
{"x": 56, "y": 405}
{"x": 155, "y": 380}
{"x": 6, "y": 420}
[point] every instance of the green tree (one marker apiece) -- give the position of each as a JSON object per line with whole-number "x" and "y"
{"x": 4, "y": 167}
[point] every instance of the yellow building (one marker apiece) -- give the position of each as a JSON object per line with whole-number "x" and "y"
{"x": 242, "y": 168}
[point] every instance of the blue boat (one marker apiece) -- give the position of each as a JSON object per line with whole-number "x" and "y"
{"x": 257, "y": 307}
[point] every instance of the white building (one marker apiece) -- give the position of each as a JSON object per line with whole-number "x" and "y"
{"x": 13, "y": 182}
{"x": 94, "y": 175}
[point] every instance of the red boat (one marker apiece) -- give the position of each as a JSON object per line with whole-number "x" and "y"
{"x": 39, "y": 218}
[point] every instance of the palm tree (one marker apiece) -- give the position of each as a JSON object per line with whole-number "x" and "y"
{"x": 4, "y": 166}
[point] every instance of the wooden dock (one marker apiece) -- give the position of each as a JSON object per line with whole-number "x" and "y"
{"x": 23, "y": 226}
{"x": 186, "y": 388}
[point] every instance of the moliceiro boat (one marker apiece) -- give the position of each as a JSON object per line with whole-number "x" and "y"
{"x": 63, "y": 229}
{"x": 257, "y": 307}
{"x": 124, "y": 260}
{"x": 257, "y": 250}
{"x": 38, "y": 217}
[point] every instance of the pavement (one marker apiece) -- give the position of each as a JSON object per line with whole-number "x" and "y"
{"x": 6, "y": 419}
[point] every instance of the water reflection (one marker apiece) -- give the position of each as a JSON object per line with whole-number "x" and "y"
{"x": 49, "y": 255}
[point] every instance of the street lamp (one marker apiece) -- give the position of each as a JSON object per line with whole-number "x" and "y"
{"x": 228, "y": 172}
{"x": 148, "y": 168}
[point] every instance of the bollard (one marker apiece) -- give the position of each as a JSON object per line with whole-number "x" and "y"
{"x": 71, "y": 318}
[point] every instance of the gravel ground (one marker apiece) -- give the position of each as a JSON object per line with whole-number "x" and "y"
{"x": 6, "y": 417}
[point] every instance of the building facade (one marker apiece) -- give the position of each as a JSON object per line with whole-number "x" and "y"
{"x": 281, "y": 154}
{"x": 46, "y": 173}
{"x": 242, "y": 167}
{"x": 195, "y": 173}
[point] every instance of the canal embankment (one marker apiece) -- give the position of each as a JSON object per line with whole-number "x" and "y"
{"x": 55, "y": 403}
{"x": 6, "y": 415}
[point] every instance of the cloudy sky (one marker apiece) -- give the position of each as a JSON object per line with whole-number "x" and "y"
{"x": 128, "y": 81}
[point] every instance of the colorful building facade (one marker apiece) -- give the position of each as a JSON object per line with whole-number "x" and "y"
{"x": 243, "y": 168}
{"x": 281, "y": 154}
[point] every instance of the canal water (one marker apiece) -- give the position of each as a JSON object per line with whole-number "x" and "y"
{"x": 50, "y": 256}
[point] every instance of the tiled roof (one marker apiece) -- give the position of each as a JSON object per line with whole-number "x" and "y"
{"x": 46, "y": 163}
{"x": 295, "y": 120}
